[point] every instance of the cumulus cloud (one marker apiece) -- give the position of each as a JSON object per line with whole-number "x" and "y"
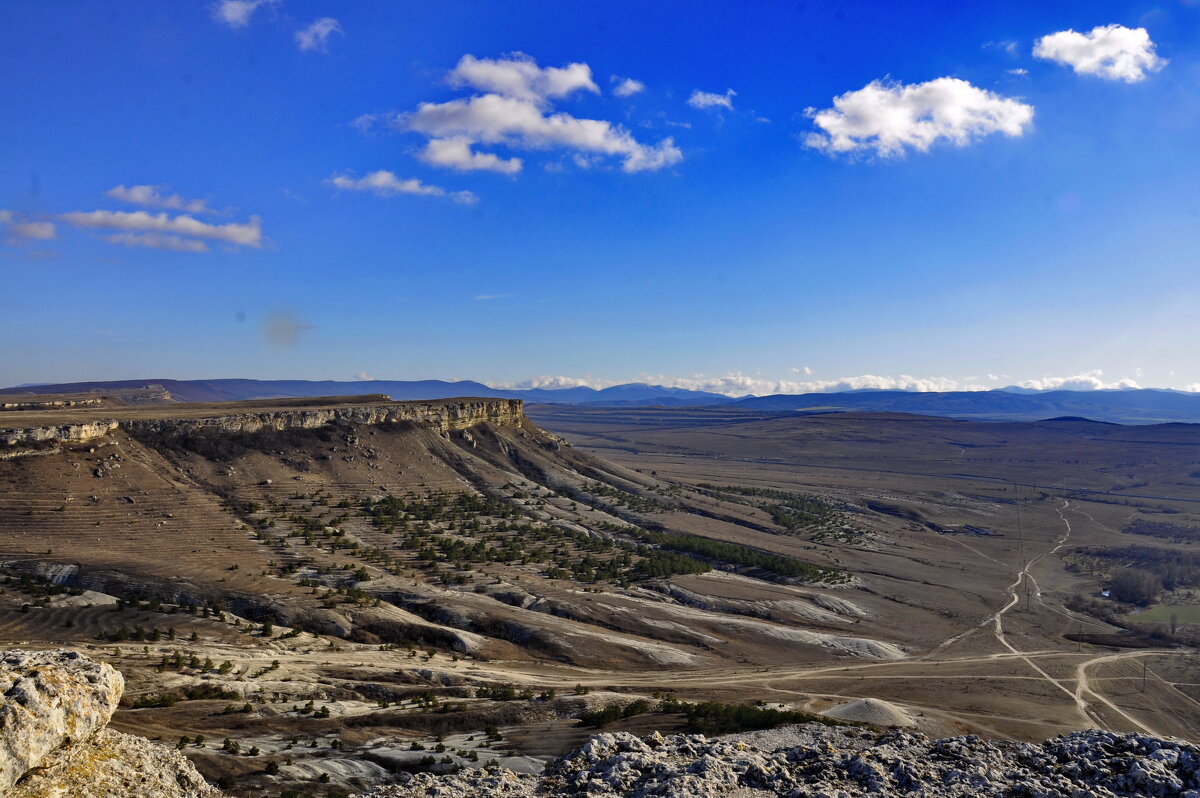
{"x": 1112, "y": 52}
{"x": 364, "y": 376}
{"x": 316, "y": 36}
{"x": 627, "y": 87}
{"x": 890, "y": 118}
{"x": 516, "y": 110}
{"x": 1087, "y": 381}
{"x": 153, "y": 197}
{"x": 237, "y": 13}
{"x": 247, "y": 234}
{"x": 158, "y": 241}
{"x": 456, "y": 153}
{"x": 705, "y": 100}
{"x": 519, "y": 77}
{"x": 386, "y": 184}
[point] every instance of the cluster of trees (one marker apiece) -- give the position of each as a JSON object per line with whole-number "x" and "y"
{"x": 1159, "y": 529}
{"x": 736, "y": 554}
{"x": 708, "y": 717}
{"x": 1139, "y": 574}
{"x": 795, "y": 512}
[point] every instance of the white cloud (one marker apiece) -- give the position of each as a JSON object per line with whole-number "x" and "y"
{"x": 496, "y": 119}
{"x": 553, "y": 382}
{"x": 22, "y": 229}
{"x": 237, "y": 13}
{"x": 158, "y": 241}
{"x": 1113, "y": 52}
{"x": 37, "y": 231}
{"x": 627, "y": 87}
{"x": 890, "y": 118}
{"x": 1087, "y": 381}
{"x": 487, "y": 297}
{"x": 805, "y": 370}
{"x": 153, "y": 197}
{"x": 1018, "y": 72}
{"x": 456, "y": 153}
{"x": 704, "y": 99}
{"x": 241, "y": 234}
{"x": 385, "y": 184}
{"x": 516, "y": 111}
{"x": 518, "y": 76}
{"x": 316, "y": 36}
{"x": 738, "y": 384}
{"x": 364, "y": 376}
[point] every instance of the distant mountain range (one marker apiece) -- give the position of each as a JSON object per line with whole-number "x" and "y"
{"x": 1139, "y": 406}
{"x": 234, "y": 390}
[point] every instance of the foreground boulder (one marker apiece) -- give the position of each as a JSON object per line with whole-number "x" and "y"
{"x": 54, "y": 708}
{"x": 816, "y": 762}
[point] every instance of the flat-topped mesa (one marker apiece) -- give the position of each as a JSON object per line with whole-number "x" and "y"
{"x": 443, "y": 415}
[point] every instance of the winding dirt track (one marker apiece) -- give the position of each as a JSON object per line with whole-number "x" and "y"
{"x": 1084, "y": 693}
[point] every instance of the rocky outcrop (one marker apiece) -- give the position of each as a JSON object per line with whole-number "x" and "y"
{"x": 443, "y": 415}
{"x": 76, "y": 433}
{"x": 816, "y": 761}
{"x": 53, "y": 740}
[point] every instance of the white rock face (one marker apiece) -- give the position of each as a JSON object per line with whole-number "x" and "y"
{"x": 111, "y": 764}
{"x": 53, "y": 740}
{"x": 51, "y": 699}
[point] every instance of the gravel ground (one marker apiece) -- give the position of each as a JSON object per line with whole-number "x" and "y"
{"x": 814, "y": 761}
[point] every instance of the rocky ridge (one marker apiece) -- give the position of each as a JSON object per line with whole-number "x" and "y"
{"x": 54, "y": 710}
{"x": 444, "y": 416}
{"x": 819, "y": 762}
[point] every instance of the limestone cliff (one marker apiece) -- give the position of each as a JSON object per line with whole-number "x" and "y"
{"x": 442, "y": 415}
{"x": 54, "y": 708}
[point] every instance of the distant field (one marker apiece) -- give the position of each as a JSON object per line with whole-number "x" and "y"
{"x": 1161, "y": 613}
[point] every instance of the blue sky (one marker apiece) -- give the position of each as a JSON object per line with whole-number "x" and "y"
{"x": 313, "y": 189}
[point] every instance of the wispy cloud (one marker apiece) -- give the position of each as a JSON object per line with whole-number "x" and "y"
{"x": 891, "y": 118}
{"x": 486, "y": 297}
{"x": 705, "y": 100}
{"x": 248, "y": 234}
{"x": 386, "y": 184}
{"x": 166, "y": 241}
{"x": 154, "y": 197}
{"x": 1112, "y": 52}
{"x": 36, "y": 231}
{"x": 515, "y": 110}
{"x": 315, "y": 38}
{"x": 237, "y": 13}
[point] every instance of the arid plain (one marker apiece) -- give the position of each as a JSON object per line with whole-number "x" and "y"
{"x": 327, "y": 591}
